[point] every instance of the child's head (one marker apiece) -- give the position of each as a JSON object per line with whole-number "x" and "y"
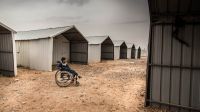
{"x": 63, "y": 59}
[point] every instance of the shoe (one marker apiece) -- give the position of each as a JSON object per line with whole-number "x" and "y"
{"x": 72, "y": 81}
{"x": 79, "y": 77}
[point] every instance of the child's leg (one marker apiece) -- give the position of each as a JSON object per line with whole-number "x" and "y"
{"x": 73, "y": 72}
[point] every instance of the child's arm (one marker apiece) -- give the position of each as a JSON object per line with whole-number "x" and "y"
{"x": 65, "y": 65}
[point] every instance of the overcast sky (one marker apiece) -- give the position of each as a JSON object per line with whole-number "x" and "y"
{"x": 121, "y": 19}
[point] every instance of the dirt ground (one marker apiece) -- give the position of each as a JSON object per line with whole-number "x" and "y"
{"x": 110, "y": 86}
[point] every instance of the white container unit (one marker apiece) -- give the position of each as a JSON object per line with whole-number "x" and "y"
{"x": 40, "y": 49}
{"x": 100, "y": 48}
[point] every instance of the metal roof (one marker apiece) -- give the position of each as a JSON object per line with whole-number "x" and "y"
{"x": 41, "y": 33}
{"x": 118, "y": 42}
{"x": 174, "y": 7}
{"x": 8, "y": 28}
{"x": 129, "y": 45}
{"x": 96, "y": 39}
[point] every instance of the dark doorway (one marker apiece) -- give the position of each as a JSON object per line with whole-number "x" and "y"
{"x": 139, "y": 53}
{"x": 133, "y": 50}
{"x": 123, "y": 51}
{"x": 107, "y": 50}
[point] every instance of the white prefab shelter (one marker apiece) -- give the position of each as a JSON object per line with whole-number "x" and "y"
{"x": 120, "y": 49}
{"x": 40, "y": 49}
{"x": 136, "y": 51}
{"x": 8, "y": 66}
{"x": 100, "y": 48}
{"x": 130, "y": 50}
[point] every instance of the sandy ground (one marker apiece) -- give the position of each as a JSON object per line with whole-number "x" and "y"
{"x": 110, "y": 86}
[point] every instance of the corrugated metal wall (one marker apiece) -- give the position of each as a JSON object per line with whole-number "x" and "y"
{"x": 94, "y": 53}
{"x": 41, "y": 54}
{"x": 129, "y": 53}
{"x": 35, "y": 54}
{"x": 107, "y": 51}
{"x": 79, "y": 52}
{"x": 6, "y": 54}
{"x": 23, "y": 53}
{"x": 116, "y": 52}
{"x": 60, "y": 49}
{"x": 174, "y": 68}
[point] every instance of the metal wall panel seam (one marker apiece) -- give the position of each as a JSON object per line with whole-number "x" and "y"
{"x": 161, "y": 64}
{"x": 191, "y": 70}
{"x": 170, "y": 86}
{"x": 51, "y": 53}
{"x": 181, "y": 71}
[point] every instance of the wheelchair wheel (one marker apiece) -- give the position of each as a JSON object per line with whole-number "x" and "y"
{"x": 63, "y": 78}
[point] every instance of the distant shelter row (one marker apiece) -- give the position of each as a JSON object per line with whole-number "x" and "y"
{"x": 41, "y": 49}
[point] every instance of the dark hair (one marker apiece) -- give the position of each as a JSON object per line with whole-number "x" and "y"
{"x": 63, "y": 59}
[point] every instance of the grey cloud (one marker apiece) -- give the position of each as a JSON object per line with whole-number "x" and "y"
{"x": 69, "y": 19}
{"x": 122, "y": 19}
{"x": 132, "y": 22}
{"x": 75, "y": 2}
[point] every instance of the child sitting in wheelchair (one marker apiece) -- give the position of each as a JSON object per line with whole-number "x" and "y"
{"x": 64, "y": 67}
